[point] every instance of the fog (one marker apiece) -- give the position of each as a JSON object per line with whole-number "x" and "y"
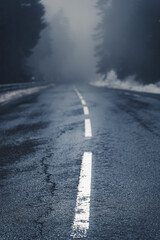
{"x": 69, "y": 39}
{"x": 74, "y": 40}
{"x": 126, "y": 45}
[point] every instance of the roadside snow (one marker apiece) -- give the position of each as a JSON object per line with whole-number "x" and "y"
{"x": 112, "y": 81}
{"x": 13, "y": 95}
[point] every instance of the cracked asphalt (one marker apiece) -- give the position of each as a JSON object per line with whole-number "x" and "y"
{"x": 41, "y": 147}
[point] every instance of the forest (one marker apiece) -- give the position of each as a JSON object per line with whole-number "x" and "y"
{"x": 129, "y": 34}
{"x": 126, "y": 41}
{"x": 21, "y": 22}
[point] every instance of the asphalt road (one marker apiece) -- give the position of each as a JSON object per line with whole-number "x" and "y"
{"x": 43, "y": 141}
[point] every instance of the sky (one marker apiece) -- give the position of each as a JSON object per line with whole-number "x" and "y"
{"x": 83, "y": 19}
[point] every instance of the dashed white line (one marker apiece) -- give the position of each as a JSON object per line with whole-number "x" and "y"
{"x": 80, "y": 96}
{"x": 82, "y": 210}
{"x": 83, "y": 102}
{"x": 86, "y": 110}
{"x": 87, "y": 123}
{"x": 88, "y": 129}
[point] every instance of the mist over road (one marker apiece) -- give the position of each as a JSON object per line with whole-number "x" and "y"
{"x": 46, "y": 141}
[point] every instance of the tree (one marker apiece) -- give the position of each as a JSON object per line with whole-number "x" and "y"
{"x": 130, "y": 37}
{"x": 20, "y": 24}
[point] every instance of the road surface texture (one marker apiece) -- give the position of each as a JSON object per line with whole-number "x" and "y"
{"x": 80, "y": 163}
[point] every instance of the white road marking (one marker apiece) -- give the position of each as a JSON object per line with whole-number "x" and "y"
{"x": 82, "y": 210}
{"x": 86, "y": 110}
{"x": 80, "y": 97}
{"x": 75, "y": 89}
{"x": 83, "y": 102}
{"x": 88, "y": 129}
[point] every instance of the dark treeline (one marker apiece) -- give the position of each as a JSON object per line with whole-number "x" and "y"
{"x": 20, "y": 24}
{"x": 130, "y": 38}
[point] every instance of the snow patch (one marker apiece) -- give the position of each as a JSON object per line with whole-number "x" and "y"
{"x": 13, "y": 95}
{"x": 112, "y": 81}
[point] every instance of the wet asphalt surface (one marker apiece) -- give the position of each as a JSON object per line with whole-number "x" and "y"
{"x": 41, "y": 147}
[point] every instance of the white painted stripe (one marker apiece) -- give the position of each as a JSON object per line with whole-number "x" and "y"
{"x": 80, "y": 97}
{"x": 83, "y": 102}
{"x": 86, "y": 110}
{"x": 82, "y": 210}
{"x": 88, "y": 129}
{"x": 75, "y": 89}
